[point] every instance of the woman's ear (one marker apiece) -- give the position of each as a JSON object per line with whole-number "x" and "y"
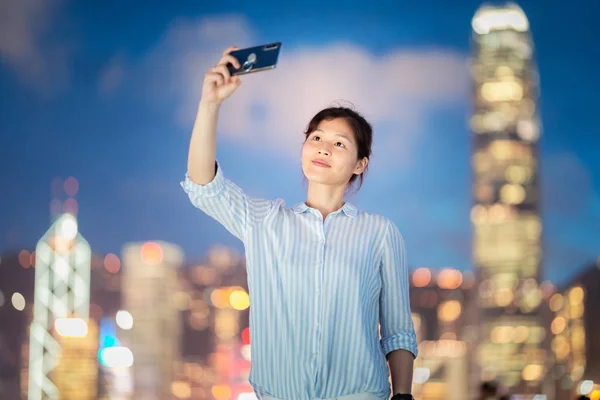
{"x": 361, "y": 165}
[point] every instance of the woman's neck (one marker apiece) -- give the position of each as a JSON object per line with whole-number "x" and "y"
{"x": 325, "y": 198}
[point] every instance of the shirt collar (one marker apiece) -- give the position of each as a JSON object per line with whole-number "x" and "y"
{"x": 348, "y": 209}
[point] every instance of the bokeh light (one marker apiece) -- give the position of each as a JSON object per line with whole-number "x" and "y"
{"x": 117, "y": 357}
{"x": 246, "y": 352}
{"x": 151, "y": 253}
{"x": 71, "y": 206}
{"x": 25, "y": 258}
{"x": 124, "y": 319}
{"x": 558, "y": 325}
{"x": 71, "y": 327}
{"x": 548, "y": 289}
{"x": 68, "y": 227}
{"x": 219, "y": 298}
{"x": 221, "y": 392}
{"x": 449, "y": 279}
{"x": 586, "y": 387}
{"x": 112, "y": 263}
{"x": 576, "y": 295}
{"x": 521, "y": 334}
{"x": 18, "y": 301}
{"x": 449, "y": 311}
{"x": 532, "y": 372}
{"x": 71, "y": 186}
{"x": 239, "y": 300}
{"x": 556, "y": 302}
{"x": 421, "y": 375}
{"x": 421, "y": 277}
{"x": 246, "y": 335}
{"x": 181, "y": 389}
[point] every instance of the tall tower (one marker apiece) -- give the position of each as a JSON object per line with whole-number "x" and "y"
{"x": 62, "y": 292}
{"x": 506, "y": 214}
{"x": 150, "y": 282}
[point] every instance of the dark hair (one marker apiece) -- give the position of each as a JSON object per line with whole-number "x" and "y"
{"x": 361, "y": 128}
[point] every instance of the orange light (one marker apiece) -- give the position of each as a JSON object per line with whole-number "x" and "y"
{"x": 421, "y": 277}
{"x": 449, "y": 279}
{"x": 151, "y": 253}
{"x": 221, "y": 392}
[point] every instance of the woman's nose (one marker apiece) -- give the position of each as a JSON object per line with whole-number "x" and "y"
{"x": 324, "y": 150}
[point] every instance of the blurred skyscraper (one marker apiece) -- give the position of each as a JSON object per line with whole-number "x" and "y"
{"x": 505, "y": 216}
{"x": 443, "y": 326}
{"x": 150, "y": 278}
{"x": 61, "y": 300}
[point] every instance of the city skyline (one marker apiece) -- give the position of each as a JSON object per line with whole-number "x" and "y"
{"x": 114, "y": 109}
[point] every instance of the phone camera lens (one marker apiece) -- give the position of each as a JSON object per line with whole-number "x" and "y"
{"x": 247, "y": 66}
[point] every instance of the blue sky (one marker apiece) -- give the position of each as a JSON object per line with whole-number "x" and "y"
{"x": 106, "y": 92}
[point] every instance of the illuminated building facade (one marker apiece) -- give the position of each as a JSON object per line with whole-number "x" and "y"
{"x": 215, "y": 305}
{"x": 575, "y": 340}
{"x": 62, "y": 290}
{"x": 443, "y": 324}
{"x": 506, "y": 216}
{"x": 438, "y": 301}
{"x": 76, "y": 375}
{"x": 150, "y": 279}
{"x": 440, "y": 371}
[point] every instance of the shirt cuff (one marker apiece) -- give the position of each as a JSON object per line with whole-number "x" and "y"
{"x": 211, "y": 189}
{"x": 405, "y": 341}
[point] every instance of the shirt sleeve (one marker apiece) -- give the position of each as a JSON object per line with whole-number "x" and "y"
{"x": 225, "y": 202}
{"x": 397, "y": 329}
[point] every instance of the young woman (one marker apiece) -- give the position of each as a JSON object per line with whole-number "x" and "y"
{"x": 328, "y": 283}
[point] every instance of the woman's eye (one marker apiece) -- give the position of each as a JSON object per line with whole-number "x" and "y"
{"x": 316, "y": 137}
{"x": 339, "y": 144}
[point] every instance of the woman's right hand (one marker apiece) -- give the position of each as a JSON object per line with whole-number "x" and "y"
{"x": 218, "y": 82}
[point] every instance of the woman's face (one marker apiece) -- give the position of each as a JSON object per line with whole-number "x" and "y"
{"x": 329, "y": 154}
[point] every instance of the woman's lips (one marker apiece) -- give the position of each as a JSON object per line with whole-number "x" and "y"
{"x": 319, "y": 163}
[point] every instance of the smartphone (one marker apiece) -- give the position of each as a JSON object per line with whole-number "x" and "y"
{"x": 254, "y": 59}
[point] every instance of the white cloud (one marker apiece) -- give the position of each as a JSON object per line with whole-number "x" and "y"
{"x": 271, "y": 109}
{"x": 23, "y": 25}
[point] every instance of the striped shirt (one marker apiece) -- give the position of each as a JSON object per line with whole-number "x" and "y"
{"x": 329, "y": 299}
